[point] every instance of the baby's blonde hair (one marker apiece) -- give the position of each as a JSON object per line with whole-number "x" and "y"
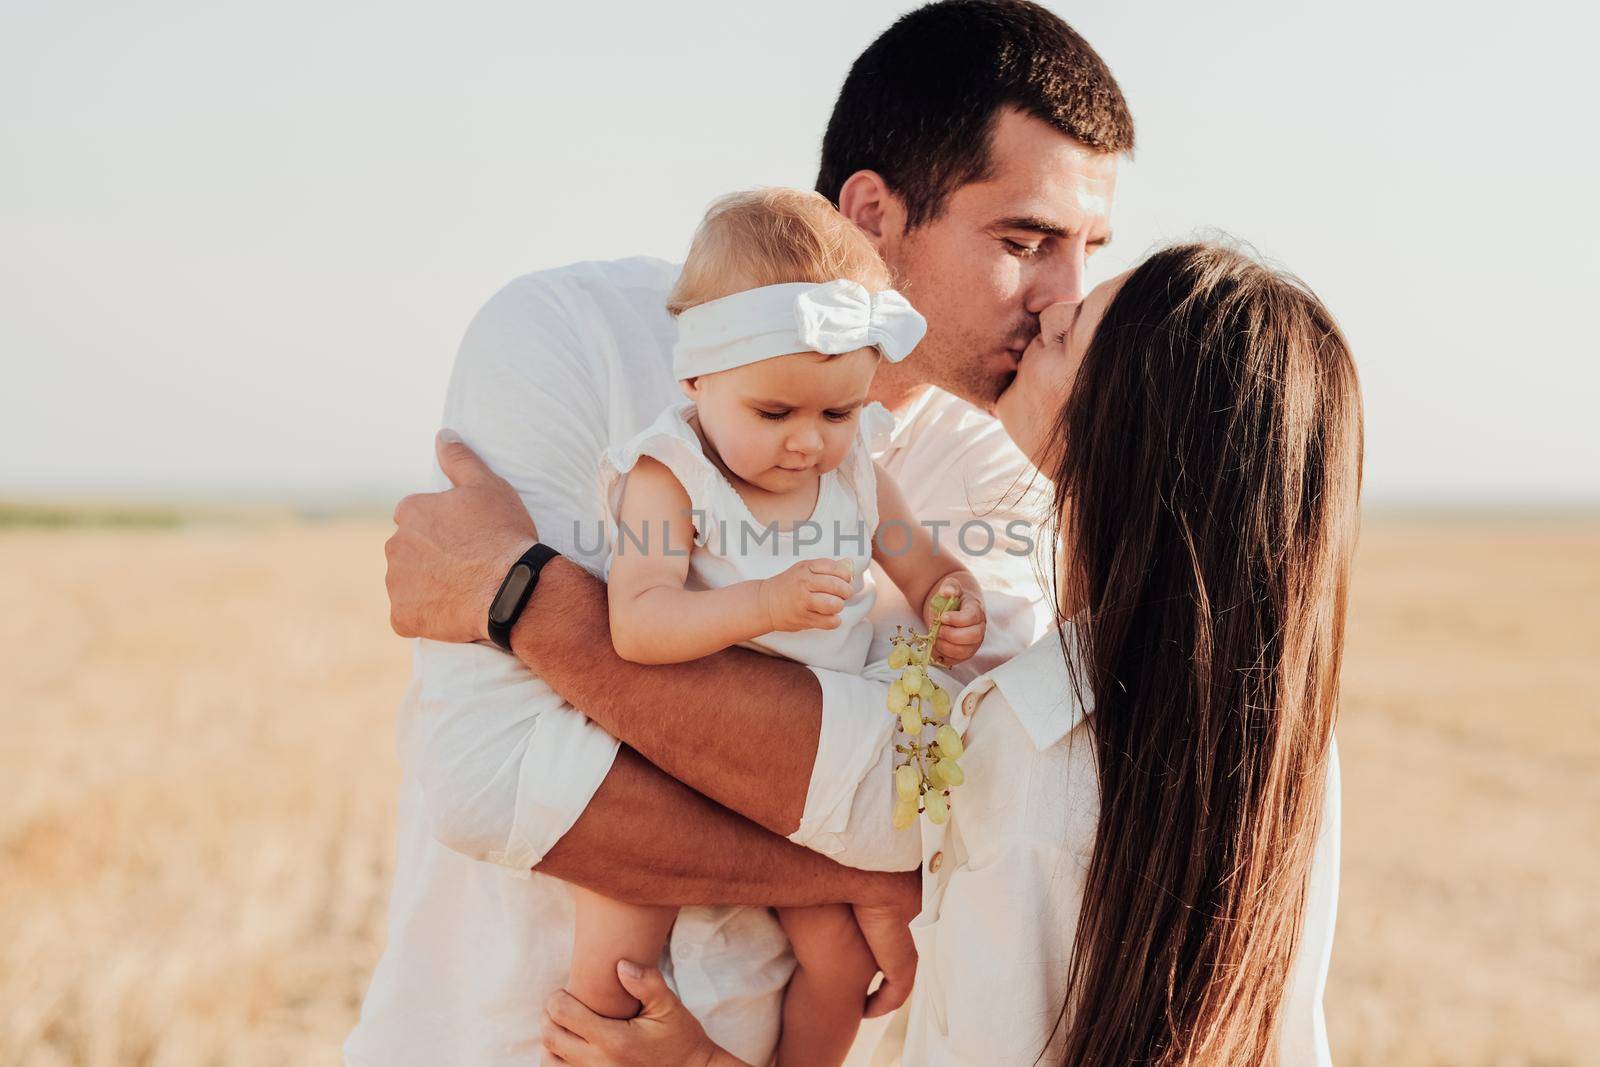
{"x": 771, "y": 236}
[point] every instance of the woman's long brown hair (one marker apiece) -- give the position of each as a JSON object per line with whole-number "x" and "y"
{"x": 1208, "y": 465}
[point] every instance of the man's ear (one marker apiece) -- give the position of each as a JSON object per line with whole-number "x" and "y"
{"x": 866, "y": 200}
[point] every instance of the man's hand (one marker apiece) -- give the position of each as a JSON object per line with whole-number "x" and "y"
{"x": 453, "y": 549}
{"x": 662, "y": 1033}
{"x": 885, "y": 926}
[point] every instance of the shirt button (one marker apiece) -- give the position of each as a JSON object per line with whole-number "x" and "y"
{"x": 970, "y": 704}
{"x": 935, "y": 862}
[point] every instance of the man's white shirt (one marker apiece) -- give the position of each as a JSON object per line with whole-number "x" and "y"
{"x": 554, "y": 369}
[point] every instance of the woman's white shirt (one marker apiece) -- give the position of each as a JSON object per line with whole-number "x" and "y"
{"x": 1003, "y": 880}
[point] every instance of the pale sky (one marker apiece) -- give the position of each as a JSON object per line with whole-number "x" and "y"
{"x": 239, "y": 241}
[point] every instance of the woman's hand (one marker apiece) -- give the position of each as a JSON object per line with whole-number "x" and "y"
{"x": 961, "y": 630}
{"x": 663, "y": 1032}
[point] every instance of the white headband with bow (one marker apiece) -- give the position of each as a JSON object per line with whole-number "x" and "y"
{"x": 774, "y": 320}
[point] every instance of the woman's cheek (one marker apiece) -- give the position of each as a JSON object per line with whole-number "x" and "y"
{"x": 1015, "y": 411}
{"x": 1056, "y": 377}
{"x": 1044, "y": 393}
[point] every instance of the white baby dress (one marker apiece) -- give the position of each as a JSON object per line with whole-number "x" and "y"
{"x": 731, "y": 545}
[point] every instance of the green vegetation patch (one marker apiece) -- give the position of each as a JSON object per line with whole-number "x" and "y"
{"x": 63, "y": 516}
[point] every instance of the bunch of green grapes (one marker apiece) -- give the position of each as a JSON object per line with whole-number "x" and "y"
{"x": 922, "y": 783}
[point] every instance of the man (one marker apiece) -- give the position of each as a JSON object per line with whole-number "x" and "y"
{"x": 976, "y": 144}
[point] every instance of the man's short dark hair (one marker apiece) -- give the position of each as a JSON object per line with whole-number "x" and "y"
{"x": 920, "y": 104}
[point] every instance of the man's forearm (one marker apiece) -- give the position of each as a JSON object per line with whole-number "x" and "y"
{"x": 646, "y": 838}
{"x": 738, "y": 726}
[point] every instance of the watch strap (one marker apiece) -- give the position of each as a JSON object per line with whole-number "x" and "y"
{"x": 506, "y": 607}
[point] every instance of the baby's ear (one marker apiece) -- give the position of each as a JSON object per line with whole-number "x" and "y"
{"x": 690, "y": 387}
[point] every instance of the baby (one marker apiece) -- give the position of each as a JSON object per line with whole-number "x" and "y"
{"x": 784, "y": 310}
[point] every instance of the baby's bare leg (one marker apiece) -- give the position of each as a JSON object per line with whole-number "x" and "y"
{"x": 822, "y": 1007}
{"x": 608, "y": 931}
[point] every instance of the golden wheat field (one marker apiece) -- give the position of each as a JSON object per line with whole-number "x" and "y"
{"x": 199, "y": 767}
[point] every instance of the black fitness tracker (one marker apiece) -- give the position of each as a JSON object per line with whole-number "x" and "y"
{"x": 508, "y": 603}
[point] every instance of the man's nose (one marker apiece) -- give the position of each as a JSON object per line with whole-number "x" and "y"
{"x": 1062, "y": 281}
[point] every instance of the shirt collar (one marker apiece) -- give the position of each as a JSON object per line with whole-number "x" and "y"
{"x": 900, "y": 436}
{"x": 1040, "y": 689}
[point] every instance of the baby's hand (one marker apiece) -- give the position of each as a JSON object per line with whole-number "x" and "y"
{"x": 807, "y": 596}
{"x": 961, "y": 629}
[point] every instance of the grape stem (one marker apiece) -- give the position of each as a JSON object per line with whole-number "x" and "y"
{"x": 921, "y": 646}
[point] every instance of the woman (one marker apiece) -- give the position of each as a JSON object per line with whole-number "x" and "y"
{"x": 1142, "y": 865}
